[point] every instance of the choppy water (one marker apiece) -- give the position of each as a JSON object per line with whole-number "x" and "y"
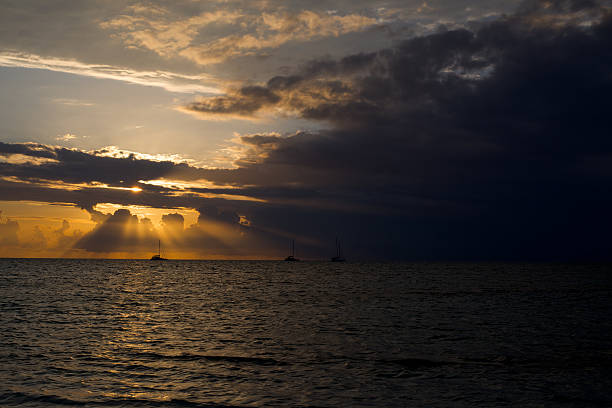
{"x": 137, "y": 333}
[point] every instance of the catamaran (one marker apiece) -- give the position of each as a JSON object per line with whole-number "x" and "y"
{"x": 338, "y": 257}
{"x": 158, "y": 257}
{"x": 292, "y": 258}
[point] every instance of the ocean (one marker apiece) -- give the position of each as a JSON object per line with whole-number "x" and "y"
{"x": 106, "y": 333}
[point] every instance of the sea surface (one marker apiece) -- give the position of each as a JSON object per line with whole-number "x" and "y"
{"x": 208, "y": 334}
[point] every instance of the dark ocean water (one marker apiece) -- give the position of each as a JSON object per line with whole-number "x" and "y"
{"x": 191, "y": 333}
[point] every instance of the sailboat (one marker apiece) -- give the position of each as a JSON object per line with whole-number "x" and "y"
{"x": 338, "y": 257}
{"x": 158, "y": 257}
{"x": 292, "y": 258}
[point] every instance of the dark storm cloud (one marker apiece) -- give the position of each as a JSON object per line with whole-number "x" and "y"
{"x": 493, "y": 141}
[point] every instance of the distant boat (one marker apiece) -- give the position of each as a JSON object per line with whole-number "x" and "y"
{"x": 292, "y": 258}
{"x": 158, "y": 257}
{"x": 338, "y": 257}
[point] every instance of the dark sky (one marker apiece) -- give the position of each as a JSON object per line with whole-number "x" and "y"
{"x": 488, "y": 140}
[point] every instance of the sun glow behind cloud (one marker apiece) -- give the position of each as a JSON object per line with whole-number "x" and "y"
{"x": 173, "y": 184}
{"x": 42, "y": 229}
{"x": 50, "y": 230}
{"x": 60, "y": 185}
{"x": 154, "y": 214}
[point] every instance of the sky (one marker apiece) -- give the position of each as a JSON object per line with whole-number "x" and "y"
{"x": 409, "y": 130}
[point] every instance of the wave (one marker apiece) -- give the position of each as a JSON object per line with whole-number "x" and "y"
{"x": 206, "y": 357}
{"x": 590, "y": 401}
{"x": 419, "y": 363}
{"x": 560, "y": 362}
{"x": 20, "y": 398}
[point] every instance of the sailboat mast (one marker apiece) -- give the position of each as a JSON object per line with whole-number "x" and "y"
{"x": 159, "y": 247}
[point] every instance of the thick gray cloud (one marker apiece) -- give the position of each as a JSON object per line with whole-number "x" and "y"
{"x": 500, "y": 132}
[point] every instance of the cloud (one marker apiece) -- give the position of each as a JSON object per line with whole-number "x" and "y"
{"x": 8, "y": 231}
{"x": 174, "y": 221}
{"x": 216, "y": 214}
{"x": 64, "y": 239}
{"x": 66, "y": 137}
{"x": 37, "y": 241}
{"x": 173, "y": 82}
{"x": 58, "y": 174}
{"x": 361, "y": 86}
{"x": 73, "y": 102}
{"x": 119, "y": 232}
{"x": 242, "y": 103}
{"x": 107, "y": 166}
{"x": 248, "y": 33}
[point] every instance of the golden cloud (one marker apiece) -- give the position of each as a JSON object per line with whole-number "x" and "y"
{"x": 169, "y": 37}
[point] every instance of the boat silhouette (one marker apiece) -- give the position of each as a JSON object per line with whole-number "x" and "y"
{"x": 338, "y": 257}
{"x": 292, "y": 258}
{"x": 158, "y": 257}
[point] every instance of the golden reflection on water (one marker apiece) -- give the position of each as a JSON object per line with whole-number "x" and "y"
{"x": 132, "y": 338}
